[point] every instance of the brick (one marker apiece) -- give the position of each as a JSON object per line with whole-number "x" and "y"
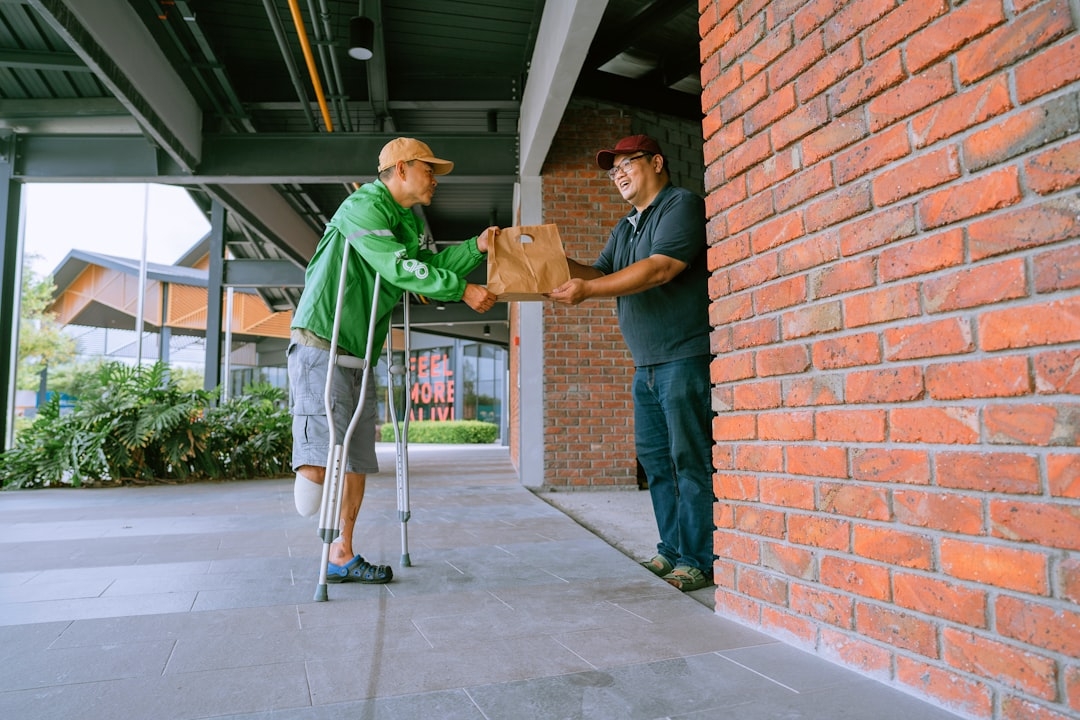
{"x": 817, "y": 390}
{"x": 1031, "y": 128}
{"x": 955, "y": 691}
{"x": 730, "y": 427}
{"x": 848, "y": 351}
{"x": 952, "y": 31}
{"x": 757, "y": 396}
{"x": 777, "y": 231}
{"x": 782, "y": 491}
{"x": 1048, "y": 524}
{"x": 955, "y": 425}
{"x": 782, "y": 623}
{"x": 1069, "y": 581}
{"x": 853, "y": 576}
{"x": 791, "y": 561}
{"x": 958, "y": 113}
{"x": 995, "y": 565}
{"x": 837, "y": 206}
{"x": 972, "y": 287}
{"x": 1047, "y": 323}
{"x": 861, "y": 501}
{"x": 1045, "y": 71}
{"x": 879, "y": 149}
{"x": 731, "y": 310}
{"x": 802, "y": 186}
{"x": 991, "y": 472}
{"x": 868, "y": 82}
{"x": 1031, "y": 674}
{"x": 810, "y": 320}
{"x": 900, "y": 24}
{"x": 736, "y": 547}
{"x": 752, "y": 211}
{"x": 948, "y": 601}
{"x": 926, "y": 255}
{"x": 1063, "y": 475}
{"x": 787, "y": 426}
{"x": 817, "y": 460}
{"x": 822, "y": 605}
{"x": 802, "y": 121}
{"x": 922, "y": 173}
{"x": 898, "y": 629}
{"x": 885, "y": 385}
{"x": 781, "y": 360}
{"x": 725, "y": 196}
{"x": 1057, "y": 269}
{"x": 760, "y": 459}
{"x": 1072, "y": 686}
{"x": 891, "y": 465}
{"x": 823, "y": 74}
{"x": 854, "y": 17}
{"x": 796, "y": 59}
{"x": 1048, "y": 222}
{"x": 855, "y": 652}
{"x": 1049, "y": 424}
{"x": 1014, "y": 40}
{"x": 939, "y": 511}
{"x": 742, "y": 99}
{"x": 990, "y": 191}
{"x": 761, "y": 331}
{"x": 1020, "y": 708}
{"x": 764, "y": 586}
{"x": 772, "y": 107}
{"x": 1038, "y": 625}
{"x": 877, "y": 306}
{"x": 894, "y": 547}
{"x": 809, "y": 252}
{"x": 910, "y": 96}
{"x": 851, "y": 426}
{"x": 752, "y": 30}
{"x": 821, "y": 532}
{"x": 748, "y": 153}
{"x": 833, "y": 137}
{"x": 729, "y": 251}
{"x": 842, "y": 277}
{"x": 737, "y": 606}
{"x": 759, "y": 520}
{"x": 779, "y": 166}
{"x": 813, "y": 14}
{"x": 781, "y": 295}
{"x": 993, "y": 377}
{"x": 951, "y": 336}
{"x": 735, "y": 486}
{"x": 877, "y": 229}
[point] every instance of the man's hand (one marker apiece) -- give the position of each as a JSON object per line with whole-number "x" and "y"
{"x": 571, "y": 292}
{"x": 484, "y": 239}
{"x": 478, "y": 297}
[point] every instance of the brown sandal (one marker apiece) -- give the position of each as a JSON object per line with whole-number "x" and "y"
{"x": 688, "y": 578}
{"x": 659, "y": 565}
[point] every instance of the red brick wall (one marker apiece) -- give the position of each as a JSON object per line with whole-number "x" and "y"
{"x": 588, "y": 411}
{"x": 893, "y": 228}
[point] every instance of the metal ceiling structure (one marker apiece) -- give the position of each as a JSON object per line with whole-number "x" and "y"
{"x": 255, "y": 107}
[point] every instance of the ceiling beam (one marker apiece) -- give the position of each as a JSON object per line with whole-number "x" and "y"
{"x": 643, "y": 22}
{"x": 264, "y": 210}
{"x": 110, "y": 38}
{"x": 252, "y": 159}
{"x": 566, "y": 31}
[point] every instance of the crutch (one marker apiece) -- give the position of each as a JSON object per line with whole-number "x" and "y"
{"x": 336, "y": 460}
{"x": 401, "y": 434}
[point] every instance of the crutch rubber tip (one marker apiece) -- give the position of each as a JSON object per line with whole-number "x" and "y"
{"x": 405, "y": 561}
{"x": 307, "y": 495}
{"x": 320, "y": 594}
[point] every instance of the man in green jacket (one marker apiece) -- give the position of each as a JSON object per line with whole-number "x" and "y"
{"x": 385, "y": 235}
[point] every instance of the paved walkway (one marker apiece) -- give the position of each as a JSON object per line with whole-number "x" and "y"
{"x": 196, "y": 601}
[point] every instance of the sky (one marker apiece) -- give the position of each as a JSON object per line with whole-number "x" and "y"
{"x": 108, "y": 218}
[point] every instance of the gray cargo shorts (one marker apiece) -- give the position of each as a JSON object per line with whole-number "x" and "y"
{"x": 311, "y": 434}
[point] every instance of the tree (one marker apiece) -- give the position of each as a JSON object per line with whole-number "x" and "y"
{"x": 42, "y": 342}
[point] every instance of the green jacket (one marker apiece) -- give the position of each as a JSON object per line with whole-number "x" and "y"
{"x": 385, "y": 238}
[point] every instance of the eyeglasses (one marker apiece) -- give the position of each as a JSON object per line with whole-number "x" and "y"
{"x": 624, "y": 166}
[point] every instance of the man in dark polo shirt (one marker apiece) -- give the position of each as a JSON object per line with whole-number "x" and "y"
{"x": 654, "y": 264}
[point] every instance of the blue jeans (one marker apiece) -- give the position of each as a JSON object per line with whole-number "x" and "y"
{"x": 673, "y": 434}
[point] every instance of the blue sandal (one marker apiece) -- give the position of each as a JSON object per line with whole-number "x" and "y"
{"x": 359, "y": 570}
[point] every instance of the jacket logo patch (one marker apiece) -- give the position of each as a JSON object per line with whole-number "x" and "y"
{"x": 417, "y": 268}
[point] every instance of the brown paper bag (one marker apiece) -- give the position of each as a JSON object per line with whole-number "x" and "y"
{"x": 525, "y": 262}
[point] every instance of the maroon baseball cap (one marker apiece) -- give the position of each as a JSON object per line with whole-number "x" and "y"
{"x": 627, "y": 146}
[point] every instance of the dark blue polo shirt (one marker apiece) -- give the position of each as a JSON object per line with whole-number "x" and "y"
{"x": 669, "y": 322}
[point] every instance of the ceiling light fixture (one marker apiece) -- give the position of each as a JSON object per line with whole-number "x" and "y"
{"x": 361, "y": 37}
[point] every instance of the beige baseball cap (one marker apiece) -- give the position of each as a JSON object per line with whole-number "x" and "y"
{"x": 405, "y": 149}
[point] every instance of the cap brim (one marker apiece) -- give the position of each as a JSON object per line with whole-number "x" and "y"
{"x": 440, "y": 167}
{"x": 605, "y": 159}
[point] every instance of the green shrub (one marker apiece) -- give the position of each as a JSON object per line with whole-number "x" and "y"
{"x": 137, "y": 424}
{"x": 455, "y": 432}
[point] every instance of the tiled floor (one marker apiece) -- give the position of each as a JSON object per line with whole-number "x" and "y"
{"x": 196, "y": 601}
